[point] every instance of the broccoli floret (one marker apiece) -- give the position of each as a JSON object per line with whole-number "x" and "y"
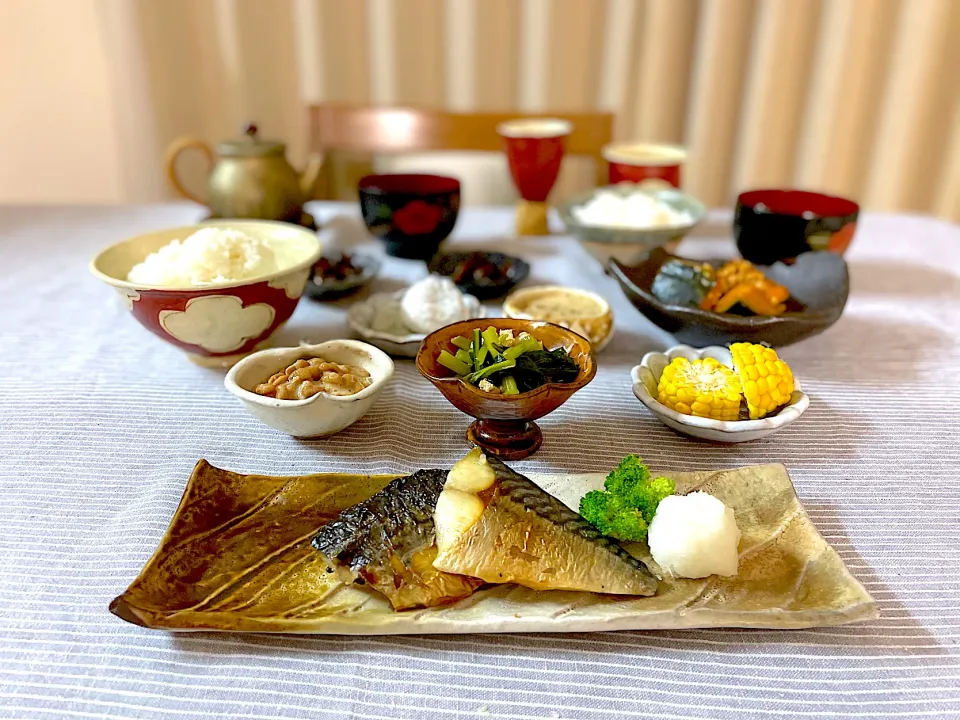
{"x": 625, "y": 508}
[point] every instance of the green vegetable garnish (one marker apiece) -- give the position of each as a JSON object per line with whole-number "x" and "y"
{"x": 625, "y": 508}
{"x": 461, "y": 342}
{"x": 511, "y": 364}
{"x": 453, "y": 363}
{"x": 475, "y": 377}
{"x": 509, "y": 386}
{"x": 475, "y": 351}
{"x": 491, "y": 336}
{"x": 524, "y": 346}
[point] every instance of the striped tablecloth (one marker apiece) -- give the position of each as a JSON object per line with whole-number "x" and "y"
{"x": 102, "y": 423}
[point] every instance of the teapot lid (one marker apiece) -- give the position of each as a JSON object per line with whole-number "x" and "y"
{"x": 250, "y": 145}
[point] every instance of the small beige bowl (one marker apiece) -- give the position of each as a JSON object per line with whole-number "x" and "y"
{"x": 598, "y": 329}
{"x": 322, "y": 414}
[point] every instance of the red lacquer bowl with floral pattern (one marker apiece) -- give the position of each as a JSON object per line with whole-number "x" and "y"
{"x": 411, "y": 213}
{"x": 216, "y": 324}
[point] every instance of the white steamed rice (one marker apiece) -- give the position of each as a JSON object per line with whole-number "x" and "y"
{"x": 210, "y": 255}
{"x": 638, "y": 210}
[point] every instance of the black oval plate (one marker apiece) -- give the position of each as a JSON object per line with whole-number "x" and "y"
{"x": 514, "y": 269}
{"x": 331, "y": 289}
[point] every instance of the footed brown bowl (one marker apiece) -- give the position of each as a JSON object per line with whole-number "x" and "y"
{"x": 504, "y": 424}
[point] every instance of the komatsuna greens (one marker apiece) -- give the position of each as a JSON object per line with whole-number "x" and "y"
{"x": 499, "y": 362}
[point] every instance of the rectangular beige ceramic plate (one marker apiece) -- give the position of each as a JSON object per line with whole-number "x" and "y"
{"x": 237, "y": 557}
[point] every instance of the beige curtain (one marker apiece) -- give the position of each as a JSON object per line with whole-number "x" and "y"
{"x": 856, "y": 97}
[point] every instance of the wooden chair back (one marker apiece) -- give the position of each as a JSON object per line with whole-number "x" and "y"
{"x": 337, "y": 127}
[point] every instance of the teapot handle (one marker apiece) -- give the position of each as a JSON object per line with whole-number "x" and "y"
{"x": 170, "y": 163}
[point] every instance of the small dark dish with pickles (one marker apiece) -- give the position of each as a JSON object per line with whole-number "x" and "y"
{"x": 340, "y": 274}
{"x": 795, "y": 301}
{"x": 485, "y": 275}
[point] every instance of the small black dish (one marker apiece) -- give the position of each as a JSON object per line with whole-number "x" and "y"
{"x": 485, "y": 275}
{"x": 818, "y": 281}
{"x": 331, "y": 288}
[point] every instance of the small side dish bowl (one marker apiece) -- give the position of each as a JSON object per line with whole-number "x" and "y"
{"x": 218, "y": 323}
{"x": 331, "y": 288}
{"x": 817, "y": 281}
{"x": 485, "y": 275}
{"x": 624, "y": 244}
{"x": 597, "y": 327}
{"x": 361, "y": 317}
{"x": 411, "y": 213}
{"x": 321, "y": 414}
{"x": 504, "y": 424}
{"x": 646, "y": 377}
{"x": 772, "y": 225}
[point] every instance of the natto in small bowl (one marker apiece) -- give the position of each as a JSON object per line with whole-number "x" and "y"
{"x": 411, "y": 213}
{"x": 504, "y": 424}
{"x": 319, "y": 415}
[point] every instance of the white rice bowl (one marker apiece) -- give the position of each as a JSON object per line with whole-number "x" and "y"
{"x": 209, "y": 255}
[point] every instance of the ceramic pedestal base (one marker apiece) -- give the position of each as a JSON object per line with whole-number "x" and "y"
{"x": 506, "y": 439}
{"x": 531, "y": 218}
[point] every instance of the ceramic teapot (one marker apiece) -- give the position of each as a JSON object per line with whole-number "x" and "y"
{"x": 250, "y": 178}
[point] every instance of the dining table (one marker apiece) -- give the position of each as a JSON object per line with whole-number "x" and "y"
{"x": 102, "y": 423}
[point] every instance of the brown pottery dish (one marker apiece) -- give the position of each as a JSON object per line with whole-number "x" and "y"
{"x": 818, "y": 283}
{"x": 504, "y": 424}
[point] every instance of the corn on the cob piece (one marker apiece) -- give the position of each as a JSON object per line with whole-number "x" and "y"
{"x": 701, "y": 387}
{"x": 766, "y": 380}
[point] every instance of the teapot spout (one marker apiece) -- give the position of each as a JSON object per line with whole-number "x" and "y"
{"x": 310, "y": 177}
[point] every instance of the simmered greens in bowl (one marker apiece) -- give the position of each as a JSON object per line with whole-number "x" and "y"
{"x": 499, "y": 361}
{"x": 504, "y": 425}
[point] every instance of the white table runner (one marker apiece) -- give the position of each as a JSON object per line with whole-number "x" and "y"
{"x": 102, "y": 423}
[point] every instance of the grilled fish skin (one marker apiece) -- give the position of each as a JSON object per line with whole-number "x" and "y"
{"x": 526, "y": 536}
{"x": 387, "y": 541}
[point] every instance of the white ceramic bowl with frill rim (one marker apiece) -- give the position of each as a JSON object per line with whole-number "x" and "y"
{"x": 321, "y": 414}
{"x": 646, "y": 377}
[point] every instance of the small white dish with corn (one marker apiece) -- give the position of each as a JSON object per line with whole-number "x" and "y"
{"x": 702, "y": 393}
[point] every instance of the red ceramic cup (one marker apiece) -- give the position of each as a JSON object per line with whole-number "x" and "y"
{"x": 534, "y": 148}
{"x": 636, "y": 162}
